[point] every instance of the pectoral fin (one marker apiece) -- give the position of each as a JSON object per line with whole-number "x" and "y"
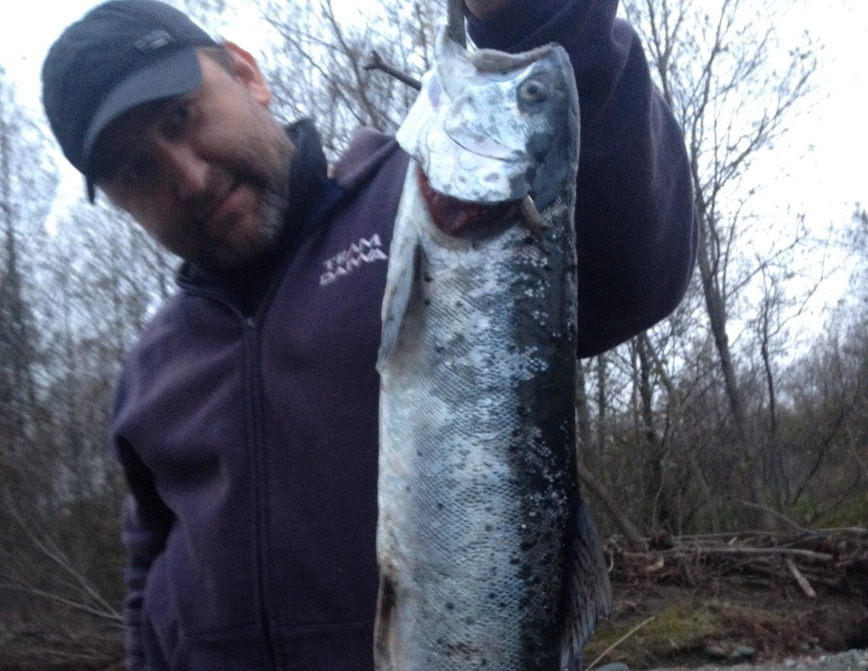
{"x": 403, "y": 262}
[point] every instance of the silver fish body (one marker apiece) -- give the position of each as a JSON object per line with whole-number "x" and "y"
{"x": 487, "y": 559}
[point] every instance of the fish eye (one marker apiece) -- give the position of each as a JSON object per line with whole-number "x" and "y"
{"x": 533, "y": 91}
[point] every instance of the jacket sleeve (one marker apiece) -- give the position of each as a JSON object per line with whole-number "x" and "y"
{"x": 635, "y": 226}
{"x": 144, "y": 542}
{"x": 146, "y": 522}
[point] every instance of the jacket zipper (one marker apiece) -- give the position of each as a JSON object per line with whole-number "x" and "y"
{"x": 256, "y": 442}
{"x": 259, "y": 493}
{"x": 331, "y": 198}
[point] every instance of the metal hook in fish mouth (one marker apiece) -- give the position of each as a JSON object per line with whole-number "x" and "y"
{"x": 532, "y": 218}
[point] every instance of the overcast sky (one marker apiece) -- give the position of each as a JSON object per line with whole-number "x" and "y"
{"x": 828, "y": 180}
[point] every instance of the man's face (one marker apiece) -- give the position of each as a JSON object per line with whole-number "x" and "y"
{"x": 206, "y": 173}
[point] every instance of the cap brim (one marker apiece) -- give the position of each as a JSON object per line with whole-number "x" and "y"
{"x": 177, "y": 73}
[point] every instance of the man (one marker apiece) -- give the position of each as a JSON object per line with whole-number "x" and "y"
{"x": 246, "y": 416}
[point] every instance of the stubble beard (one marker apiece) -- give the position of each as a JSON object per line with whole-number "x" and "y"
{"x": 266, "y": 167}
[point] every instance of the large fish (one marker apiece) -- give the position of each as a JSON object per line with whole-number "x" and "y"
{"x": 487, "y": 558}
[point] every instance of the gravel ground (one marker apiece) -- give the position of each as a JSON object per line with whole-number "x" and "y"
{"x": 852, "y": 660}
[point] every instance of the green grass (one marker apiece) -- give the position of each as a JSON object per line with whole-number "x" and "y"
{"x": 678, "y": 633}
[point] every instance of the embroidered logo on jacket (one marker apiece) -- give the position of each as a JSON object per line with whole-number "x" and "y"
{"x": 359, "y": 253}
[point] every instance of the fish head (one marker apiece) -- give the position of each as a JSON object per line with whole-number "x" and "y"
{"x": 492, "y": 127}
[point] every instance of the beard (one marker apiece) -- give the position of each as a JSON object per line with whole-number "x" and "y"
{"x": 262, "y": 167}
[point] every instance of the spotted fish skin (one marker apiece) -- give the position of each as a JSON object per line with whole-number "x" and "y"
{"x": 487, "y": 558}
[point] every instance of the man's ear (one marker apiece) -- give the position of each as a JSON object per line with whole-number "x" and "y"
{"x": 248, "y": 73}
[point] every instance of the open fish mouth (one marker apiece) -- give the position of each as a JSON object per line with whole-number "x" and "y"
{"x": 461, "y": 218}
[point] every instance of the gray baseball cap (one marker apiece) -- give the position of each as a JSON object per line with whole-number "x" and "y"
{"x": 120, "y": 55}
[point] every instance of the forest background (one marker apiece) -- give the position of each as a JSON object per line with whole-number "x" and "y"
{"x": 745, "y": 411}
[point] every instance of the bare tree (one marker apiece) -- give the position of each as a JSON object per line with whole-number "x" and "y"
{"x": 65, "y": 321}
{"x": 824, "y": 425}
{"x": 719, "y": 65}
{"x": 17, "y": 386}
{"x": 318, "y": 63}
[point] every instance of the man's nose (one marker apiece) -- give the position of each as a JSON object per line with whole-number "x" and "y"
{"x": 185, "y": 170}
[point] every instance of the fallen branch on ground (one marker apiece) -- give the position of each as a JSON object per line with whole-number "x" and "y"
{"x": 824, "y": 561}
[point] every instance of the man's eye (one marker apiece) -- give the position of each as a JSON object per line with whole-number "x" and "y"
{"x": 177, "y": 117}
{"x": 180, "y": 112}
{"x": 136, "y": 173}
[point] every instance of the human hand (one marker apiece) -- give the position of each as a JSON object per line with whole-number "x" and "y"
{"x": 482, "y": 9}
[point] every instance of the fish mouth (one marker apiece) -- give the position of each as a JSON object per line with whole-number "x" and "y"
{"x": 460, "y": 218}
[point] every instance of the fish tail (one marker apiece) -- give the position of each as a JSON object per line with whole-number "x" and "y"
{"x": 589, "y": 591}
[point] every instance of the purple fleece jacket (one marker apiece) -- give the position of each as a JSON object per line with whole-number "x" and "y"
{"x": 246, "y": 416}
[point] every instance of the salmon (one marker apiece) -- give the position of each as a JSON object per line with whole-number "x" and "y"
{"x": 487, "y": 558}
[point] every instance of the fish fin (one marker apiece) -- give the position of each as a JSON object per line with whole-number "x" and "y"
{"x": 403, "y": 262}
{"x": 589, "y": 591}
{"x": 396, "y": 301}
{"x": 384, "y": 625}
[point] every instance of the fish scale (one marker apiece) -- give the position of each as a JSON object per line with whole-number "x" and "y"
{"x": 486, "y": 557}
